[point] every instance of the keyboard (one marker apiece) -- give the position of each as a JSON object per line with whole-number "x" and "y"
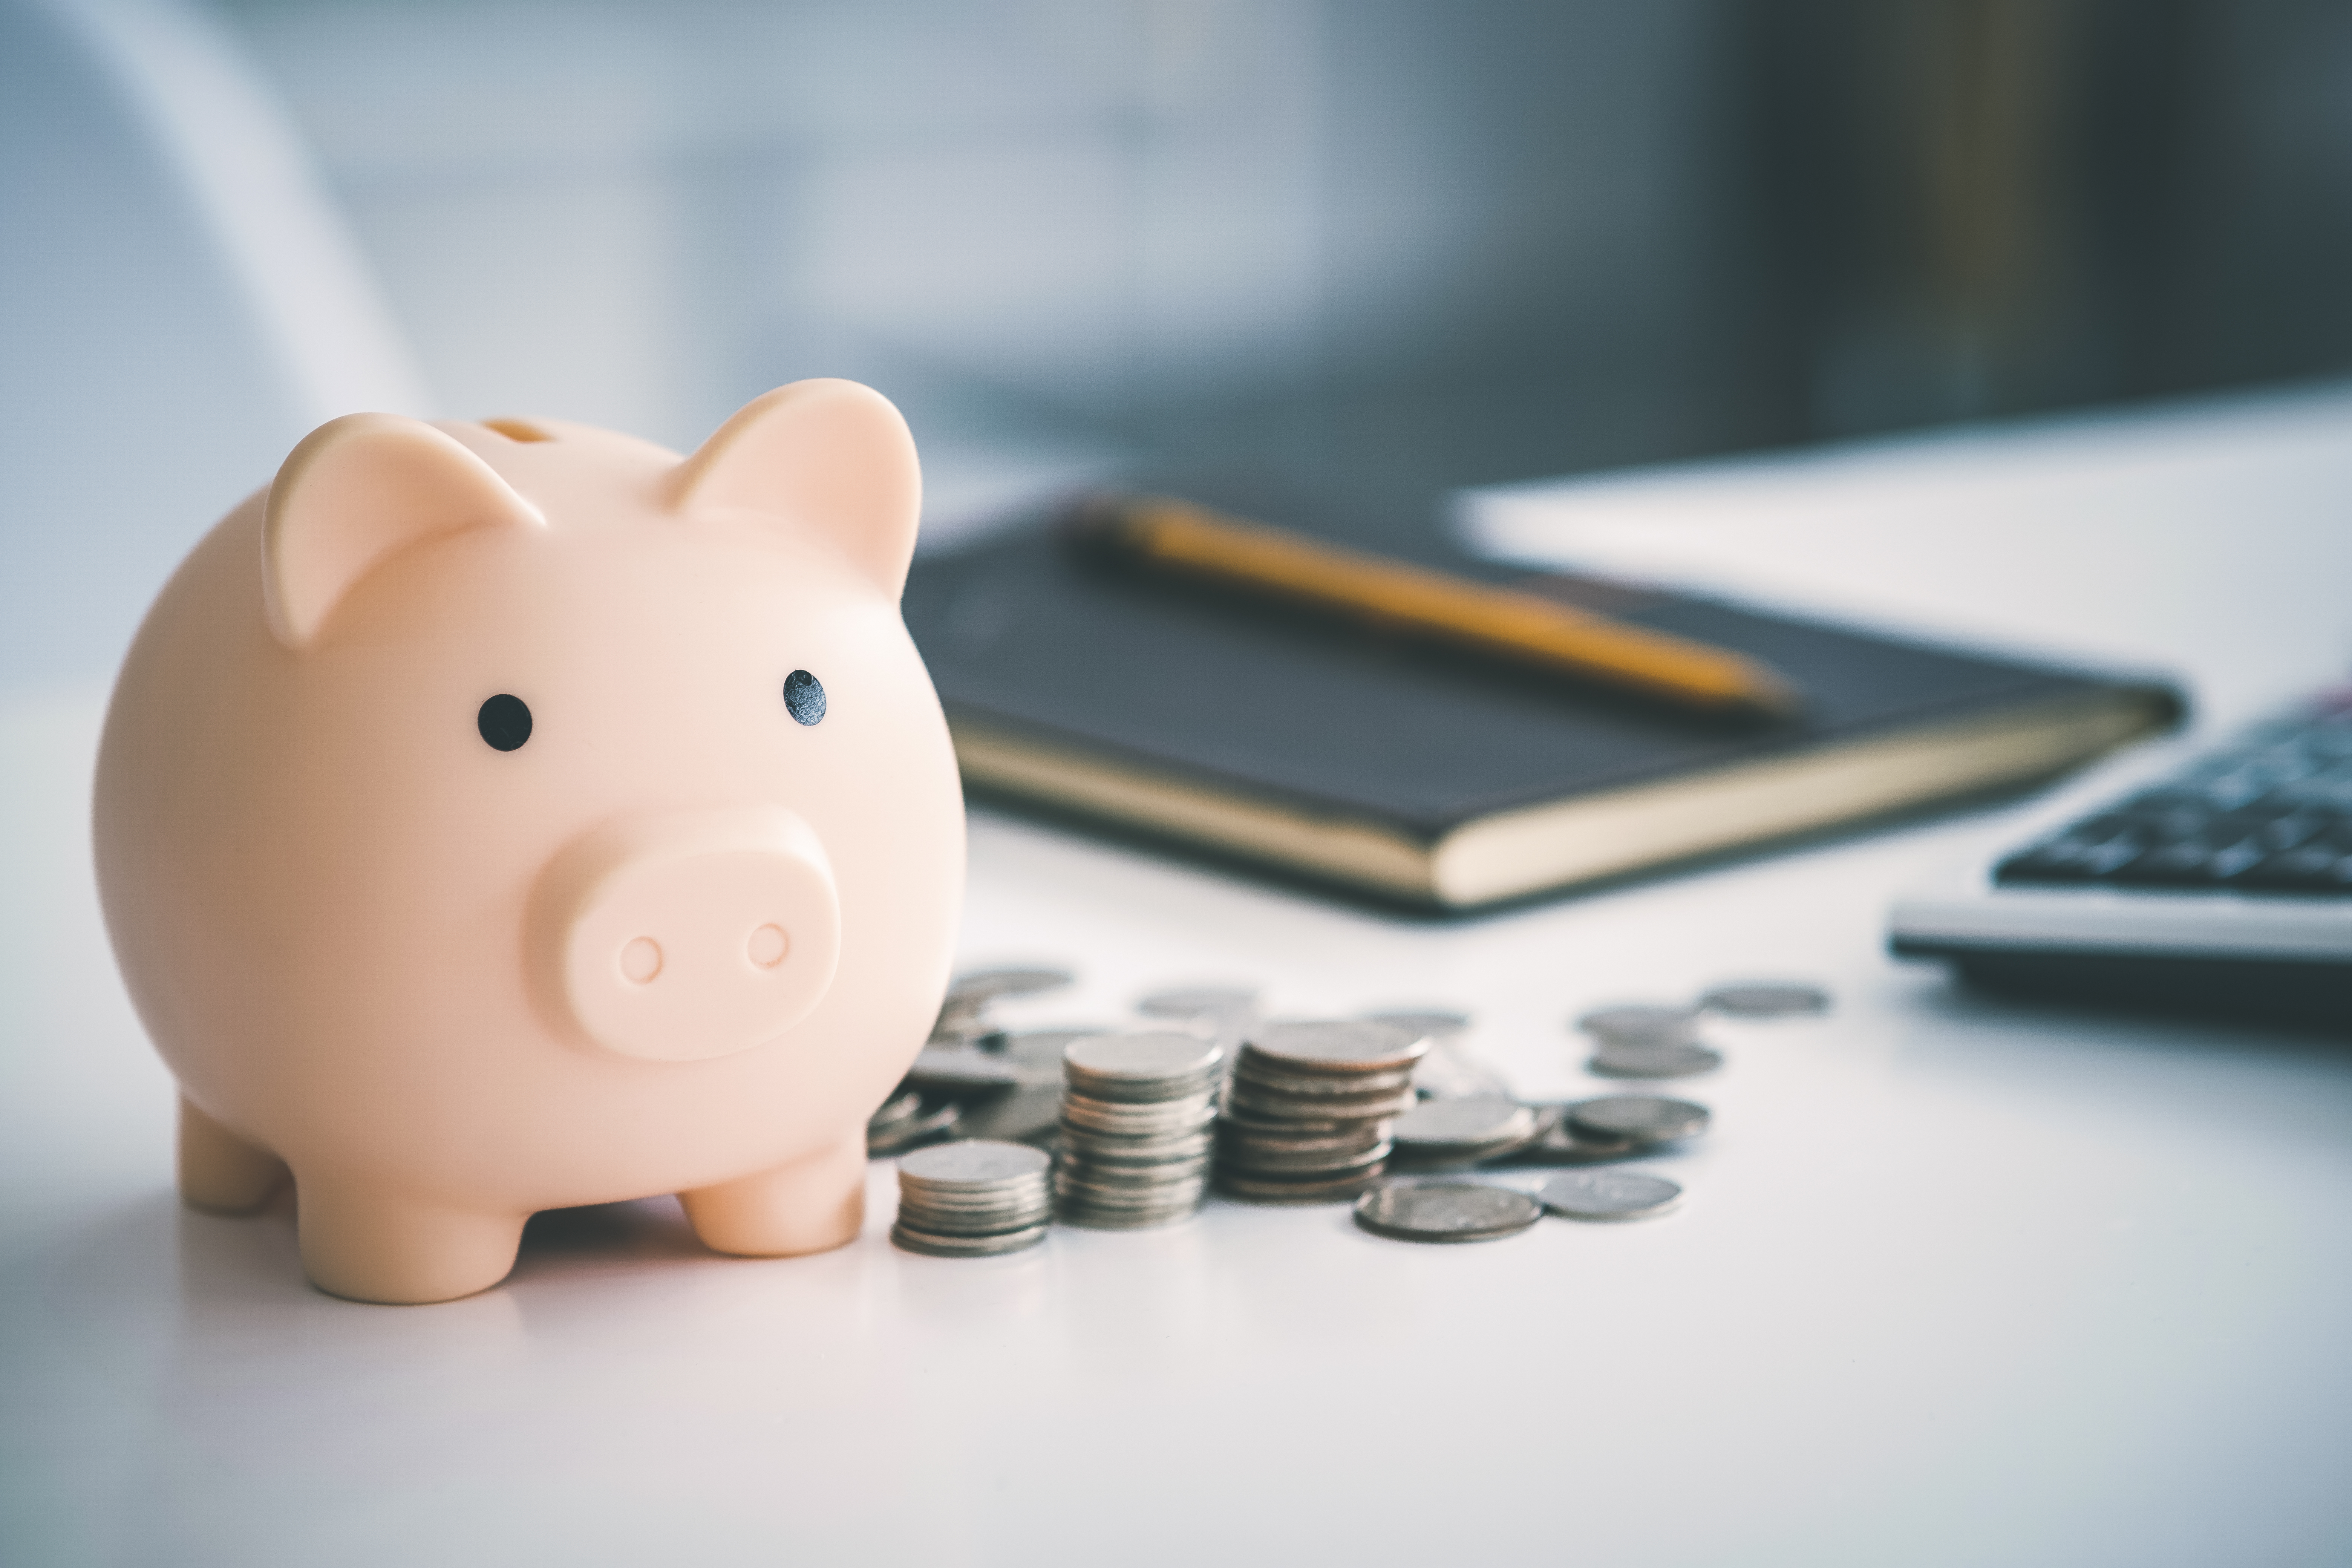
{"x": 2270, "y": 813}
{"x": 2223, "y": 885}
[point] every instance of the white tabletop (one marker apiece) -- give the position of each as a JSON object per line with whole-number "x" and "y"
{"x": 1954, "y": 1282}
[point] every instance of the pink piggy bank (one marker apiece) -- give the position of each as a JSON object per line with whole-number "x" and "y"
{"x": 501, "y": 817}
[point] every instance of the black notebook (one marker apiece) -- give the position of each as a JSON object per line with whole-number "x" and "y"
{"x": 1446, "y": 781}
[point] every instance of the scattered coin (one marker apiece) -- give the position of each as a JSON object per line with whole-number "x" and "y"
{"x": 1445, "y": 1211}
{"x": 1609, "y": 1195}
{"x": 1030, "y": 1114}
{"x": 1766, "y": 999}
{"x": 1644, "y": 1024}
{"x": 1639, "y": 1118}
{"x": 1665, "y": 1059}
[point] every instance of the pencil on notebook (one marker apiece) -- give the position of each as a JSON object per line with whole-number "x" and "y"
{"x": 1179, "y": 538}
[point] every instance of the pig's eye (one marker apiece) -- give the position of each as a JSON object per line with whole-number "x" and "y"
{"x": 803, "y": 699}
{"x": 505, "y": 722}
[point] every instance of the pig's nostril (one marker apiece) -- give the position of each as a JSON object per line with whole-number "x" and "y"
{"x": 641, "y": 960}
{"x": 768, "y": 946}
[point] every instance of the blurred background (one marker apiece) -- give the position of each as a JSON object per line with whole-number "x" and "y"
{"x": 1359, "y": 249}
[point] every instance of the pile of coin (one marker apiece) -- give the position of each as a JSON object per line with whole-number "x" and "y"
{"x": 1136, "y": 1128}
{"x": 1307, "y": 1110}
{"x": 973, "y": 1199}
{"x": 970, "y": 1080}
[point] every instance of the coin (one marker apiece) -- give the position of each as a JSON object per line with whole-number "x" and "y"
{"x": 1333, "y": 1045}
{"x": 1643, "y": 1118}
{"x": 1609, "y": 1195}
{"x": 1197, "y": 1002}
{"x": 1463, "y": 1127}
{"x": 1275, "y": 1188}
{"x": 962, "y": 1069}
{"x": 932, "y": 1123}
{"x": 1641, "y": 1024}
{"x": 1445, "y": 1211}
{"x": 1766, "y": 999}
{"x": 1028, "y": 1115}
{"x": 1436, "y": 1022}
{"x": 1558, "y": 1146}
{"x": 1142, "y": 1067}
{"x": 897, "y": 1110}
{"x": 972, "y": 1165}
{"x": 987, "y": 985}
{"x": 1664, "y": 1059}
{"x": 939, "y": 1246}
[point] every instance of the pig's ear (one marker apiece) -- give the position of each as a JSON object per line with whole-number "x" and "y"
{"x": 357, "y": 489}
{"x": 831, "y": 454}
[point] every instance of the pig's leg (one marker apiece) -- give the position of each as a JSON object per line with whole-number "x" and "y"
{"x": 367, "y": 1244}
{"x": 809, "y": 1206}
{"x": 219, "y": 1171}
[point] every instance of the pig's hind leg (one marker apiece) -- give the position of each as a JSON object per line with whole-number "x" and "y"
{"x": 219, "y": 1172}
{"x": 809, "y": 1206}
{"x": 364, "y": 1243}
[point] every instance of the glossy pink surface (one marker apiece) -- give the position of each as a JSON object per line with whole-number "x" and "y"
{"x": 677, "y": 941}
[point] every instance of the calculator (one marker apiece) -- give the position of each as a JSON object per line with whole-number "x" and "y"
{"x": 2222, "y": 885}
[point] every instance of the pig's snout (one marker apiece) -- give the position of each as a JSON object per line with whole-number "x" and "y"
{"x": 678, "y": 938}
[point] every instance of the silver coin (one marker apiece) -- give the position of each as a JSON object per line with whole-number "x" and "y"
{"x": 1766, "y": 999}
{"x": 932, "y": 1123}
{"x": 1332, "y": 1110}
{"x": 1445, "y": 1211}
{"x": 1025, "y": 1116}
{"x": 937, "y": 1246}
{"x": 1435, "y": 1023}
{"x": 1145, "y": 1119}
{"x": 1609, "y": 1195}
{"x": 1664, "y": 1059}
{"x": 1335, "y": 1045}
{"x": 1453, "y": 1126}
{"x": 1278, "y": 1165}
{"x": 1041, "y": 1047}
{"x": 1273, "y": 1190}
{"x": 987, "y": 985}
{"x": 1198, "y": 1002}
{"x": 1254, "y": 1071}
{"x": 1640, "y": 1024}
{"x": 1558, "y": 1146}
{"x": 1448, "y": 1072}
{"x": 972, "y": 1165}
{"x": 899, "y": 1108}
{"x": 1113, "y": 1064}
{"x": 962, "y": 1069}
{"x": 1642, "y": 1117}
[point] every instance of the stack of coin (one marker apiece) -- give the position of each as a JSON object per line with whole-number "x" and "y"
{"x": 1648, "y": 1042}
{"x": 973, "y": 1199}
{"x": 1136, "y": 1121}
{"x": 1306, "y": 1114}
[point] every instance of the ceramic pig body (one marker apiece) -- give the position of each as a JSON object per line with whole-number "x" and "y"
{"x": 494, "y": 819}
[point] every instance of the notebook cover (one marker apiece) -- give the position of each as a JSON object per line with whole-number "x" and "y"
{"x": 1245, "y": 697}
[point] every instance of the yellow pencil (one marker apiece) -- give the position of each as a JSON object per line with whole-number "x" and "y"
{"x": 1419, "y": 601}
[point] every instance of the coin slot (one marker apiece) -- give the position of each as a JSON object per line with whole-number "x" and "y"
{"x": 518, "y": 431}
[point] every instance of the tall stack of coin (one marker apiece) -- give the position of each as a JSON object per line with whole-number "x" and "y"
{"x": 1136, "y": 1122}
{"x": 973, "y": 1199}
{"x": 1306, "y": 1114}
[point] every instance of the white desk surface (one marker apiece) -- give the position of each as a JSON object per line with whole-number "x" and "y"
{"x": 1954, "y": 1282}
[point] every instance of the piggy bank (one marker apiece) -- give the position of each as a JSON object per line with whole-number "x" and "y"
{"x": 500, "y": 818}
